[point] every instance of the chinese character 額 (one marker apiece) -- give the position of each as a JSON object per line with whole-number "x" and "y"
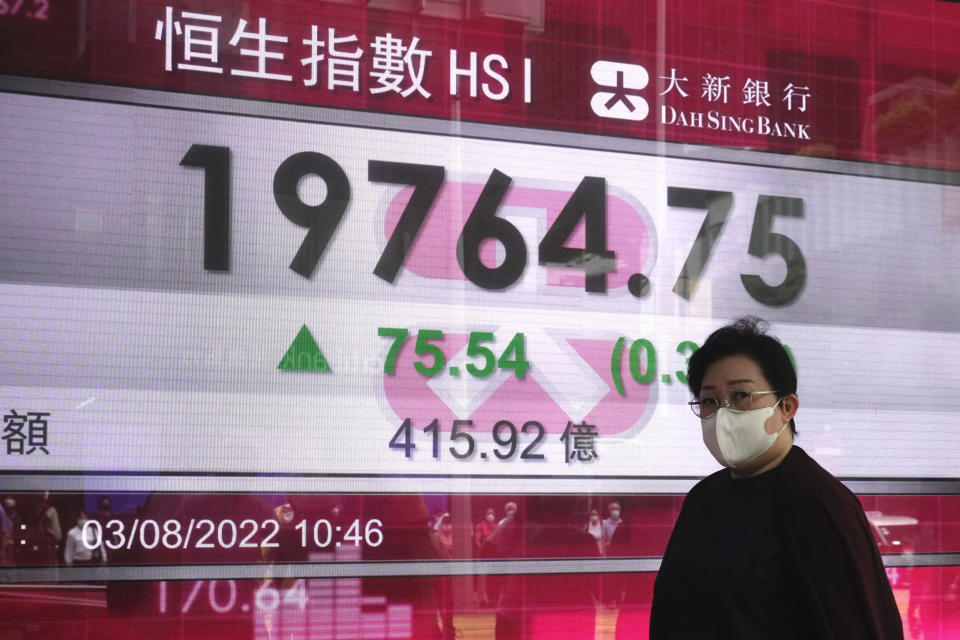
{"x": 715, "y": 88}
{"x": 756, "y": 93}
{"x": 391, "y": 57}
{"x": 36, "y": 436}
{"x": 792, "y": 91}
{"x": 200, "y": 41}
{"x": 261, "y": 52}
{"x": 580, "y": 441}
{"x": 674, "y": 84}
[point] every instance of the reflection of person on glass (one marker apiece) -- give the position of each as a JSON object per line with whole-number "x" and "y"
{"x": 773, "y": 546}
{"x": 481, "y": 532}
{"x": 595, "y": 528}
{"x": 7, "y": 530}
{"x": 549, "y": 605}
{"x": 610, "y": 524}
{"x": 46, "y": 530}
{"x": 445, "y": 536}
{"x": 83, "y": 546}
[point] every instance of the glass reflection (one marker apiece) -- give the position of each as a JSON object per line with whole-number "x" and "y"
{"x": 68, "y": 532}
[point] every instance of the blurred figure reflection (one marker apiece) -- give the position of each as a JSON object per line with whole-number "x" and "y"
{"x": 611, "y": 523}
{"x": 483, "y": 529}
{"x": 510, "y": 509}
{"x": 505, "y": 541}
{"x": 549, "y": 606}
{"x": 42, "y": 535}
{"x": 8, "y": 529}
{"x": 481, "y": 532}
{"x": 445, "y": 536}
{"x": 407, "y": 535}
{"x": 595, "y": 528}
{"x": 104, "y": 512}
{"x": 82, "y": 546}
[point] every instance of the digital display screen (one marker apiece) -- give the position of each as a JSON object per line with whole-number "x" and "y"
{"x": 303, "y": 289}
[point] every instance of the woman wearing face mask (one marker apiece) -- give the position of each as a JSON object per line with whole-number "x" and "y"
{"x": 771, "y": 546}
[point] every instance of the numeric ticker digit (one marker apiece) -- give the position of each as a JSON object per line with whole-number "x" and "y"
{"x": 588, "y": 202}
{"x": 686, "y": 347}
{"x": 484, "y": 224}
{"x": 403, "y": 432}
{"x": 321, "y": 219}
{"x": 456, "y": 435}
{"x": 763, "y": 243}
{"x": 718, "y": 205}
{"x": 399, "y": 336}
{"x": 426, "y": 180}
{"x": 474, "y": 349}
{"x": 424, "y": 348}
{"x": 215, "y": 162}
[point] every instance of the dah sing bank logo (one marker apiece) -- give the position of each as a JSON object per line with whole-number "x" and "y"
{"x": 620, "y": 82}
{"x": 622, "y": 89}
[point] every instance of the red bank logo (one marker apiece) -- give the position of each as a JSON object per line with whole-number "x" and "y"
{"x": 620, "y": 83}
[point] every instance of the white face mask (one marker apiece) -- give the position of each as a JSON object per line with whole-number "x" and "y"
{"x": 735, "y": 438}
{"x": 491, "y": 517}
{"x": 615, "y": 514}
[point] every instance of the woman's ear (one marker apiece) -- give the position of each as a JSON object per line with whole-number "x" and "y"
{"x": 789, "y": 405}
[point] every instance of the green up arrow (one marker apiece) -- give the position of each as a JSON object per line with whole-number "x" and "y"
{"x": 304, "y": 354}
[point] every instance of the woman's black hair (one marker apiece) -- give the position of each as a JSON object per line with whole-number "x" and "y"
{"x": 746, "y": 337}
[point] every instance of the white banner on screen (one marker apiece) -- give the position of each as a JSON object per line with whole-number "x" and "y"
{"x": 145, "y": 361}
